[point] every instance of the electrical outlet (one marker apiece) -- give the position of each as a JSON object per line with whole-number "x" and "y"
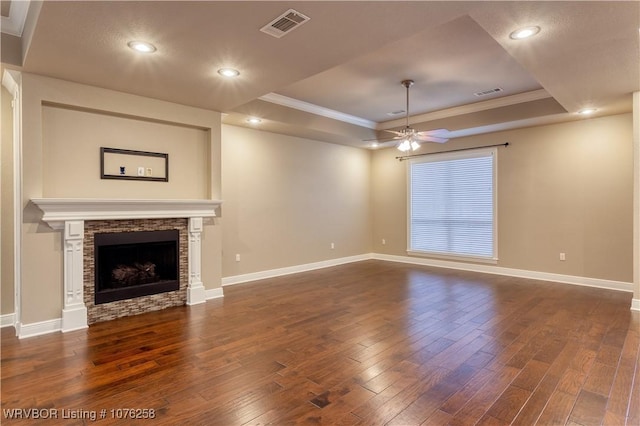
{"x": 238, "y": 257}
{"x": 149, "y": 171}
{"x": 384, "y": 241}
{"x": 333, "y": 246}
{"x": 140, "y": 171}
{"x": 563, "y": 256}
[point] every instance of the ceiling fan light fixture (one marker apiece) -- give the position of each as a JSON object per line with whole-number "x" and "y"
{"x": 405, "y": 145}
{"x": 523, "y": 33}
{"x": 408, "y": 138}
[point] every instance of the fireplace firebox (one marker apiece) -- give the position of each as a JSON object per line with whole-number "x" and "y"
{"x": 135, "y": 264}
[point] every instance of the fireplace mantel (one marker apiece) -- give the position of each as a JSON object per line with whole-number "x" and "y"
{"x": 57, "y": 211}
{"x": 69, "y": 215}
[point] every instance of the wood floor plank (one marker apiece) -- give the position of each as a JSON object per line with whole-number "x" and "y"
{"x": 365, "y": 343}
{"x": 478, "y": 405}
{"x": 557, "y": 410}
{"x": 619, "y": 399}
{"x": 534, "y": 406}
{"x": 589, "y": 408}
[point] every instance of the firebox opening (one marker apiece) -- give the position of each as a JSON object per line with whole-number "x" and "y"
{"x": 135, "y": 264}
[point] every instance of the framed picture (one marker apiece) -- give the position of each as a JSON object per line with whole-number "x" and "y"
{"x": 133, "y": 165}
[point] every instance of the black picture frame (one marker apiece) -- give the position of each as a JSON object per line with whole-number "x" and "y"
{"x": 147, "y": 175}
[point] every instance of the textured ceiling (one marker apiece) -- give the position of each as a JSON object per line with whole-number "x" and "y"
{"x": 349, "y": 59}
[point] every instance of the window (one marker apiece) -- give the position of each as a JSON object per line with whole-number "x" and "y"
{"x": 452, "y": 205}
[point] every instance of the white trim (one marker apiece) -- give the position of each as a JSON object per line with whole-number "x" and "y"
{"x": 40, "y": 328}
{"x": 511, "y": 272}
{"x": 12, "y": 81}
{"x": 7, "y": 320}
{"x": 636, "y": 198}
{"x": 271, "y": 273}
{"x": 196, "y": 292}
{"x": 51, "y": 326}
{"x": 56, "y": 211}
{"x": 74, "y": 318}
{"x": 214, "y": 293}
{"x": 503, "y": 101}
{"x": 455, "y": 258}
{"x": 74, "y": 311}
{"x": 274, "y": 98}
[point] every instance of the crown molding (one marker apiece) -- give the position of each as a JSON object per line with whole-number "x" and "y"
{"x": 274, "y": 98}
{"x": 429, "y": 116}
{"x": 469, "y": 108}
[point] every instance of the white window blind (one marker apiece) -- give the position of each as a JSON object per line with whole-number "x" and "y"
{"x": 452, "y": 201}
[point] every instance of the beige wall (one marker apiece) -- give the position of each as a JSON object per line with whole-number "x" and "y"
{"x": 286, "y": 199}
{"x": 61, "y": 159}
{"x": 6, "y": 205}
{"x": 561, "y": 188}
{"x": 72, "y": 141}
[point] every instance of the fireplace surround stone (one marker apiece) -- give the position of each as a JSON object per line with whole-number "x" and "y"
{"x": 142, "y": 304}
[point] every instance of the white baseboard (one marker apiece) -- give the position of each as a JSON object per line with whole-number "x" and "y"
{"x": 55, "y": 325}
{"x": 520, "y": 273}
{"x": 271, "y": 273}
{"x": 40, "y": 328}
{"x": 7, "y": 320}
{"x": 214, "y": 293}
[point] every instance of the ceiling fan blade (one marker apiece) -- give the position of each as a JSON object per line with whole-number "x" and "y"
{"x": 429, "y": 138}
{"x": 434, "y": 132}
{"x": 394, "y": 132}
{"x": 390, "y": 138}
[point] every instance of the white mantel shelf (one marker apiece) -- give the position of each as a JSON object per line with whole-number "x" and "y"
{"x": 57, "y": 211}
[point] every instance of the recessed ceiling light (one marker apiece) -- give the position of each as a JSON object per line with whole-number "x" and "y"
{"x": 374, "y": 144}
{"x": 587, "y": 111}
{"x": 228, "y": 72}
{"x": 142, "y": 46}
{"x": 524, "y": 33}
{"x": 254, "y": 120}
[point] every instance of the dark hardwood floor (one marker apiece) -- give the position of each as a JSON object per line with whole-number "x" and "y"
{"x": 366, "y": 343}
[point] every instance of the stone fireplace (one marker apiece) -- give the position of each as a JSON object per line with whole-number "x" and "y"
{"x": 137, "y": 235}
{"x": 122, "y": 296}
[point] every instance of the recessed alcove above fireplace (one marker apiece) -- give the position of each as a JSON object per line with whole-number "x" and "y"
{"x": 81, "y": 219}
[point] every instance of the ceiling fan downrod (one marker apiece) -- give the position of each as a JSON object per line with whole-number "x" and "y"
{"x": 407, "y": 84}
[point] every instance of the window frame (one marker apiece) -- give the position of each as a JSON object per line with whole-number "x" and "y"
{"x": 449, "y": 156}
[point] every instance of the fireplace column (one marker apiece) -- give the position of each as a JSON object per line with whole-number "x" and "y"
{"x": 196, "y": 292}
{"x": 74, "y": 312}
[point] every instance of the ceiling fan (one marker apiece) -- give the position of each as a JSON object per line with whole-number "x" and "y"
{"x": 410, "y": 138}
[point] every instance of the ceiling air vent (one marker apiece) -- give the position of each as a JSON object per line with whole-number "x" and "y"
{"x": 489, "y": 92}
{"x": 285, "y": 23}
